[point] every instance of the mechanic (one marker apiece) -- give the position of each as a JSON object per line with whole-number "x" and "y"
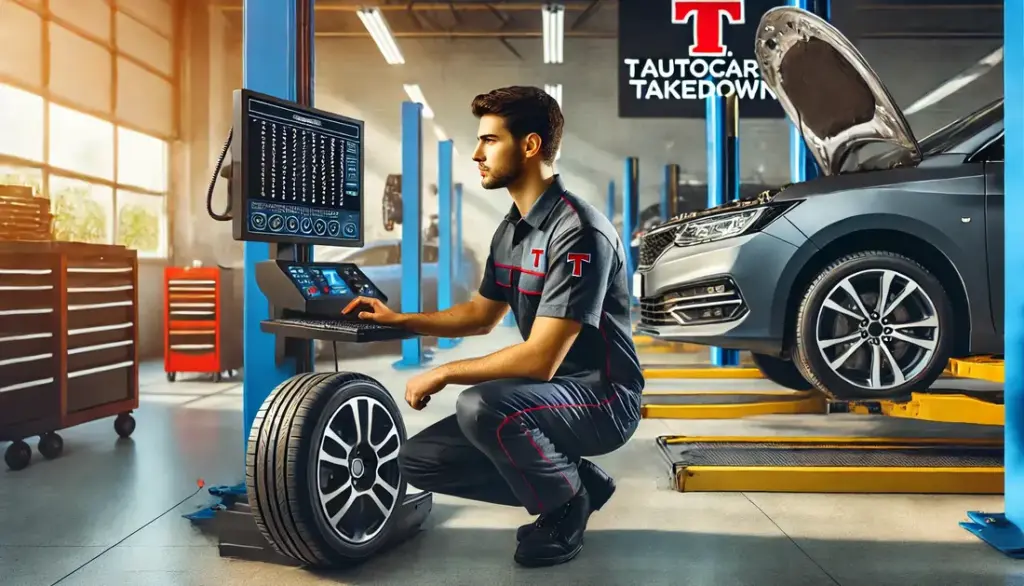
{"x": 572, "y": 389}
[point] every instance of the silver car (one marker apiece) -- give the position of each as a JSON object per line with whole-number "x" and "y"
{"x": 864, "y": 281}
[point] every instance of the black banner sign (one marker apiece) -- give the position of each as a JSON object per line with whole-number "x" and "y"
{"x": 674, "y": 53}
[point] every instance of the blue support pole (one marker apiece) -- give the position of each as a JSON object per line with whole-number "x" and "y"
{"x": 610, "y": 210}
{"x": 630, "y": 213}
{"x": 459, "y": 257}
{"x": 1005, "y": 531}
{"x": 666, "y": 193}
{"x": 269, "y": 47}
{"x": 715, "y": 138}
{"x": 412, "y": 227}
{"x": 446, "y": 261}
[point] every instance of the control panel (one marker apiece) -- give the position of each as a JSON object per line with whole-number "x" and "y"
{"x": 319, "y": 289}
{"x": 299, "y": 173}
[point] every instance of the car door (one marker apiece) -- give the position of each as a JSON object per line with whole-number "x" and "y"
{"x": 992, "y": 155}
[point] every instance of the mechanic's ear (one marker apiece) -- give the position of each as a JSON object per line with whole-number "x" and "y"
{"x": 531, "y": 145}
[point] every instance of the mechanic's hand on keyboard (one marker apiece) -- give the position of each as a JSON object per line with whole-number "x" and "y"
{"x": 372, "y": 309}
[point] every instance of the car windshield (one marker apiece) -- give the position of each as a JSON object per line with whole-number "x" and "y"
{"x": 945, "y": 138}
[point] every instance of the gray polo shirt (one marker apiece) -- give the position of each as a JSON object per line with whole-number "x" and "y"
{"x": 565, "y": 260}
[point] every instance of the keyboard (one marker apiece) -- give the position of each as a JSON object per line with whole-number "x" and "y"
{"x": 333, "y": 330}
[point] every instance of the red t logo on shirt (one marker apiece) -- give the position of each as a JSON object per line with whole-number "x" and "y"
{"x": 577, "y": 259}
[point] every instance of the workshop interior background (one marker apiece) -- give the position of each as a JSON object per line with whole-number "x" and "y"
{"x": 158, "y": 76}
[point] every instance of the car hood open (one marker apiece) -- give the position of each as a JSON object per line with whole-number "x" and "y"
{"x": 828, "y": 89}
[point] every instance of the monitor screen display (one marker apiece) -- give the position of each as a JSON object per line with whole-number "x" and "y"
{"x": 303, "y": 174}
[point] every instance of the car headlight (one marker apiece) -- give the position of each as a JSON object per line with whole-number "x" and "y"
{"x": 730, "y": 224}
{"x": 717, "y": 227}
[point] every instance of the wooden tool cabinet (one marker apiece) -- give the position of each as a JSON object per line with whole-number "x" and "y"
{"x": 203, "y": 322}
{"x": 68, "y": 342}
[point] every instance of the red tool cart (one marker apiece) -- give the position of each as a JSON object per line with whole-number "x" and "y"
{"x": 68, "y": 342}
{"x": 203, "y": 322}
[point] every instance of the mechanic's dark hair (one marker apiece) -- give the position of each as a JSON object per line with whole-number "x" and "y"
{"x": 526, "y": 110}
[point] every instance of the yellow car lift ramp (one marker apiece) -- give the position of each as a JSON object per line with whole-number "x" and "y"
{"x": 834, "y": 465}
{"x": 700, "y": 372}
{"x": 730, "y": 404}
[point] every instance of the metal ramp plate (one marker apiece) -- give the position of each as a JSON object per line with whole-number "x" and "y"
{"x": 834, "y": 465}
{"x": 731, "y": 405}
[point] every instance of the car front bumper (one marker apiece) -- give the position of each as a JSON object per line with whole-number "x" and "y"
{"x": 718, "y": 294}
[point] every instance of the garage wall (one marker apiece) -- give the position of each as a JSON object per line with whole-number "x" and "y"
{"x": 88, "y": 115}
{"x": 352, "y": 78}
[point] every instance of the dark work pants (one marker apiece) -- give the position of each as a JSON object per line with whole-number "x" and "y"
{"x": 517, "y": 442}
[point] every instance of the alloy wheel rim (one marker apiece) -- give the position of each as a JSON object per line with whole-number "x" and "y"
{"x": 357, "y": 469}
{"x": 877, "y": 329}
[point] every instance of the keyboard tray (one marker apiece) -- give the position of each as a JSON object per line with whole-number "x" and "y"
{"x": 342, "y": 331}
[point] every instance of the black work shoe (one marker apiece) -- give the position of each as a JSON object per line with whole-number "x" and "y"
{"x": 599, "y": 486}
{"x": 561, "y": 538}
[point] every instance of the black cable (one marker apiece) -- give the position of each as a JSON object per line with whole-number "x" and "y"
{"x": 226, "y": 216}
{"x": 335, "y": 345}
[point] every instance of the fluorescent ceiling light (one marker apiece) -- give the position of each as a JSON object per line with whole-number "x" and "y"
{"x": 555, "y": 91}
{"x": 963, "y": 79}
{"x": 378, "y": 28}
{"x": 416, "y": 94}
{"x": 553, "y": 18}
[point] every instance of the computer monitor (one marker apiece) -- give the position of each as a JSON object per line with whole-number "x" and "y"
{"x": 298, "y": 173}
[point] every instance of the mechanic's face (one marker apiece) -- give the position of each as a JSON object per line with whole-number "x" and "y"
{"x": 498, "y": 154}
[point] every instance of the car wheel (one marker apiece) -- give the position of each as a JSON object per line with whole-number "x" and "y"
{"x": 322, "y": 472}
{"x": 873, "y": 325}
{"x": 781, "y": 372}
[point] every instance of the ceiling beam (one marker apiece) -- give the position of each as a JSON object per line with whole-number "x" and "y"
{"x": 497, "y": 34}
{"x": 235, "y": 5}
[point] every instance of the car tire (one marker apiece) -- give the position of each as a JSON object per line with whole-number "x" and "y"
{"x": 781, "y": 372}
{"x": 851, "y": 350}
{"x": 307, "y": 438}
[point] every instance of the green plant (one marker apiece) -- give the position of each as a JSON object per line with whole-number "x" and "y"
{"x": 138, "y": 228}
{"x": 77, "y": 217}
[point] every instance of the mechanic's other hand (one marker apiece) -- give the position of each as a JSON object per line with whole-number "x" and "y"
{"x": 420, "y": 387}
{"x": 371, "y": 309}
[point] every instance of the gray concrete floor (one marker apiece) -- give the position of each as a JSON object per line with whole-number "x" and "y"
{"x": 106, "y": 512}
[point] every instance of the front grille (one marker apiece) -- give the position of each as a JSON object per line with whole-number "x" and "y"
{"x": 653, "y": 244}
{"x": 704, "y": 303}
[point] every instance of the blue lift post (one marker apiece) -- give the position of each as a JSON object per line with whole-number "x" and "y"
{"x": 719, "y": 190}
{"x": 666, "y": 193}
{"x": 630, "y": 214}
{"x": 610, "y": 209}
{"x": 446, "y": 261}
{"x": 459, "y": 257}
{"x": 1005, "y": 531}
{"x": 413, "y": 355}
{"x": 269, "y": 49}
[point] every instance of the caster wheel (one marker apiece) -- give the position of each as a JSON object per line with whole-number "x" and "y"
{"x": 345, "y": 463}
{"x": 171, "y": 376}
{"x": 18, "y": 455}
{"x": 124, "y": 425}
{"x": 51, "y": 445}
{"x": 874, "y": 325}
{"x": 781, "y": 372}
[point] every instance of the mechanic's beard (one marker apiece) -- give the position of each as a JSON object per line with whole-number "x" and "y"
{"x": 503, "y": 179}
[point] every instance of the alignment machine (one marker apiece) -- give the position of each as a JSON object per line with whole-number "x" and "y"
{"x": 322, "y": 474}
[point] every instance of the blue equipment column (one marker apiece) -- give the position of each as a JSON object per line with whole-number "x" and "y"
{"x": 610, "y": 209}
{"x": 666, "y": 194}
{"x": 459, "y": 258}
{"x": 630, "y": 214}
{"x": 446, "y": 261}
{"x": 1005, "y": 531}
{"x": 719, "y": 190}
{"x": 412, "y": 228}
{"x": 269, "y": 47}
